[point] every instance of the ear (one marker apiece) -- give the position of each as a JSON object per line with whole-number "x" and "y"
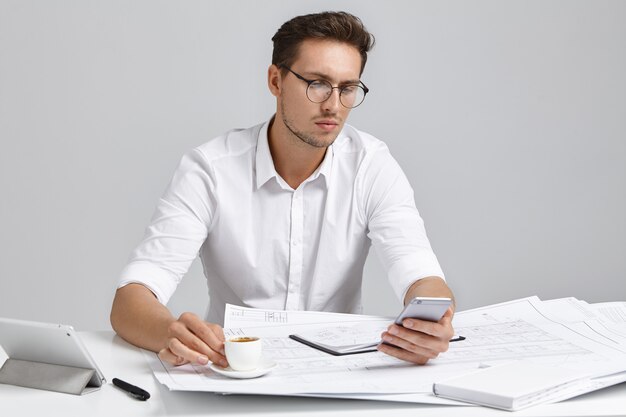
{"x": 274, "y": 80}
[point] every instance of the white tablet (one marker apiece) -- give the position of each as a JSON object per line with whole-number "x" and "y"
{"x": 55, "y": 344}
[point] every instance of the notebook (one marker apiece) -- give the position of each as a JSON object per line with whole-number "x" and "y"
{"x": 521, "y": 384}
{"x": 364, "y": 337}
{"x": 338, "y": 350}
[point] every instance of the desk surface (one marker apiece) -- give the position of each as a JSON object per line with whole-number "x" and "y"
{"x": 118, "y": 359}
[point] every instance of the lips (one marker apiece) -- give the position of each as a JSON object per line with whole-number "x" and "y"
{"x": 327, "y": 125}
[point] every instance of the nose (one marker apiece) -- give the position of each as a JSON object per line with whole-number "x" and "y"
{"x": 332, "y": 104}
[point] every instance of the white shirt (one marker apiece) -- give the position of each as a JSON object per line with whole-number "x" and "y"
{"x": 266, "y": 245}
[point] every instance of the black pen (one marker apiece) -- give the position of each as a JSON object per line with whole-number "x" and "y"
{"x": 131, "y": 389}
{"x": 458, "y": 339}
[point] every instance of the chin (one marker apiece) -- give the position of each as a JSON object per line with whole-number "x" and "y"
{"x": 319, "y": 141}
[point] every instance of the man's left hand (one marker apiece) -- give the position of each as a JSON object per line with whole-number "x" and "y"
{"x": 418, "y": 341}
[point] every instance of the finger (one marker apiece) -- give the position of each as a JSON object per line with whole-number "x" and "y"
{"x": 402, "y": 354}
{"x": 446, "y": 322}
{"x": 437, "y": 342}
{"x": 184, "y": 330}
{"x": 428, "y": 349}
{"x": 211, "y": 334}
{"x": 208, "y": 341}
{"x": 414, "y": 341}
{"x": 442, "y": 329}
{"x": 179, "y": 348}
{"x": 166, "y": 355}
{"x": 184, "y": 343}
{"x": 446, "y": 319}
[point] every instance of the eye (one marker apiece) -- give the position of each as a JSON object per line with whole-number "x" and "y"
{"x": 349, "y": 89}
{"x": 319, "y": 85}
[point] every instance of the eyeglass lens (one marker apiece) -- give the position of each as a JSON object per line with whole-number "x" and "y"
{"x": 350, "y": 95}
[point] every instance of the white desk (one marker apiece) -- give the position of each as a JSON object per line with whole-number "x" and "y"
{"x": 117, "y": 358}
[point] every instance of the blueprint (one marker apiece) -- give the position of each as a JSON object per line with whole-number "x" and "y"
{"x": 564, "y": 332}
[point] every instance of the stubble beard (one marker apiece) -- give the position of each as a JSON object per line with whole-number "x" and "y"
{"x": 307, "y": 138}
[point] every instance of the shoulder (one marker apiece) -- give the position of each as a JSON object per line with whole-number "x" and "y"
{"x": 232, "y": 144}
{"x": 234, "y": 148}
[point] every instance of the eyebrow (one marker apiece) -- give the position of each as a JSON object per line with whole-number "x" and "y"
{"x": 326, "y": 77}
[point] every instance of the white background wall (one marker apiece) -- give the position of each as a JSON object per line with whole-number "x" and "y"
{"x": 509, "y": 119}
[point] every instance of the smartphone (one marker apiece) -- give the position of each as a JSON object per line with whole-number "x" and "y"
{"x": 424, "y": 308}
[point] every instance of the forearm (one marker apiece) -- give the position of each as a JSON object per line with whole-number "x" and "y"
{"x": 139, "y": 318}
{"x": 429, "y": 287}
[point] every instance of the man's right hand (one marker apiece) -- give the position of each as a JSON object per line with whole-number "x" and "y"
{"x": 192, "y": 340}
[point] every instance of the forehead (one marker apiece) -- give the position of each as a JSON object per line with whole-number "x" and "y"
{"x": 335, "y": 60}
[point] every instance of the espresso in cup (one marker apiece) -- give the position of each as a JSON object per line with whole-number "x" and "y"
{"x": 243, "y": 339}
{"x": 243, "y": 353}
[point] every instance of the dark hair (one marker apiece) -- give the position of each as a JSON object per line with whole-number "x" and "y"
{"x": 339, "y": 26}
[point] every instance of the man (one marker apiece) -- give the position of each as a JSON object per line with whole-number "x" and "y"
{"x": 283, "y": 214}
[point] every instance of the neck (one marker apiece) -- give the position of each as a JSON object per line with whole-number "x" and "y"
{"x": 294, "y": 160}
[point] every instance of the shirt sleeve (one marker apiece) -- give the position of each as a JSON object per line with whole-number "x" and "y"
{"x": 394, "y": 224}
{"x": 178, "y": 228}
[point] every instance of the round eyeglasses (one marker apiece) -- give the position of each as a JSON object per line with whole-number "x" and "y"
{"x": 318, "y": 91}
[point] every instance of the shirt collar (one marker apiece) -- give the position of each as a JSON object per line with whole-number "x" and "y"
{"x": 265, "y": 169}
{"x": 326, "y": 166}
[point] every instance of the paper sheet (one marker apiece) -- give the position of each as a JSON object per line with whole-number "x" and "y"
{"x": 238, "y": 317}
{"x": 518, "y": 329}
{"x": 614, "y": 312}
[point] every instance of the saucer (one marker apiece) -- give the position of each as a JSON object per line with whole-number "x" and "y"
{"x": 265, "y": 366}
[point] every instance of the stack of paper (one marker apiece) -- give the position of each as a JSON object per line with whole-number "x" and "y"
{"x": 582, "y": 338}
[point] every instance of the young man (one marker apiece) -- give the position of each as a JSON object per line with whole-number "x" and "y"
{"x": 283, "y": 213}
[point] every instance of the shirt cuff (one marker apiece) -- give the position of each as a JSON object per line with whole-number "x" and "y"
{"x": 162, "y": 283}
{"x": 404, "y": 274}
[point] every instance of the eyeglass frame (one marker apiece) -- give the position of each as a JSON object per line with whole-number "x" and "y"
{"x": 332, "y": 88}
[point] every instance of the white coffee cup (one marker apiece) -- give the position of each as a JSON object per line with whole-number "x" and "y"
{"x": 243, "y": 353}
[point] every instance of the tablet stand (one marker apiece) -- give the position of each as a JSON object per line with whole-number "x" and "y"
{"x": 59, "y": 378}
